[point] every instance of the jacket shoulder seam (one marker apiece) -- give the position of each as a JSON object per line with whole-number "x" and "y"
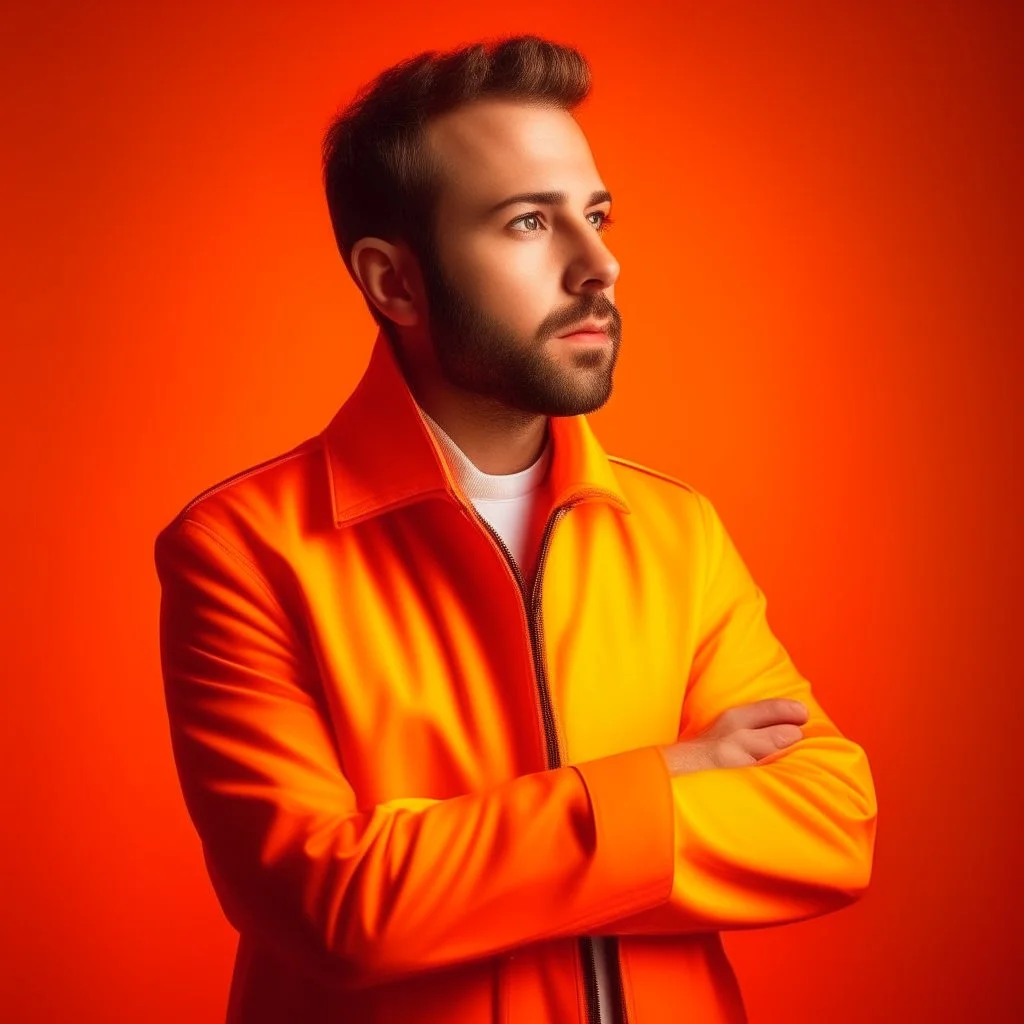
{"x": 243, "y": 474}
{"x": 237, "y": 555}
{"x": 629, "y": 464}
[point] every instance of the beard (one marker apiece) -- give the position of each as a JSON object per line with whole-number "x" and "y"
{"x": 481, "y": 354}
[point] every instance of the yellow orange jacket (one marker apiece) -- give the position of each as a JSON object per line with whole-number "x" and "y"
{"x": 421, "y": 784}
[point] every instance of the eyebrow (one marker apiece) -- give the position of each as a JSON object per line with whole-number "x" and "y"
{"x": 547, "y": 199}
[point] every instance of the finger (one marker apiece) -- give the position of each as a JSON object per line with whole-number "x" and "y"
{"x": 762, "y": 742}
{"x": 761, "y": 713}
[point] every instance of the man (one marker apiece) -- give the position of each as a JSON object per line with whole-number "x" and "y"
{"x": 476, "y": 722}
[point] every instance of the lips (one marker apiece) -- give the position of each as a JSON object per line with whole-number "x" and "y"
{"x": 590, "y": 327}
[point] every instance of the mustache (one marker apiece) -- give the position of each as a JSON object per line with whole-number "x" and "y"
{"x": 599, "y": 309}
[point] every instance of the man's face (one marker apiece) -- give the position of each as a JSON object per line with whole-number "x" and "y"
{"x": 502, "y": 284}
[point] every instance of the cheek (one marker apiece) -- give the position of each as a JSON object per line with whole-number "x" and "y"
{"x": 512, "y": 282}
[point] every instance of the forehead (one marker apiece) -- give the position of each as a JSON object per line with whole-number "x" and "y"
{"x": 494, "y": 148}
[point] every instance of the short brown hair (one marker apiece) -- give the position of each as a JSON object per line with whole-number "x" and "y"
{"x": 379, "y": 177}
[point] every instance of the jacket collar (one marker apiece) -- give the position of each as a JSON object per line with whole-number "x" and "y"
{"x": 381, "y": 454}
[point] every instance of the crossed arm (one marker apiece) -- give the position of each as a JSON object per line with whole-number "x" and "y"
{"x": 789, "y": 838}
{"x": 617, "y": 844}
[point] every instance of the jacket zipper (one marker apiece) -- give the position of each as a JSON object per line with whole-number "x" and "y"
{"x": 531, "y": 604}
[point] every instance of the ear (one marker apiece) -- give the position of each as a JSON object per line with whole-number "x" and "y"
{"x": 388, "y": 276}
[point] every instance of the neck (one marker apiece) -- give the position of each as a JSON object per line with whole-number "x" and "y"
{"x": 497, "y": 439}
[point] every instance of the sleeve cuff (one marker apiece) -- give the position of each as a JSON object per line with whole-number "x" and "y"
{"x": 632, "y": 802}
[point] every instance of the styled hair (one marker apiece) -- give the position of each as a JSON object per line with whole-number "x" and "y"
{"x": 381, "y": 177}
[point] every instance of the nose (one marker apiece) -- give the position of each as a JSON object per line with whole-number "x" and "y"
{"x": 592, "y": 267}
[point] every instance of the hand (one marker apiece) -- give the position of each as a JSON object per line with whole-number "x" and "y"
{"x": 739, "y": 737}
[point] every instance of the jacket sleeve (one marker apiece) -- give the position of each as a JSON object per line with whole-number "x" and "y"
{"x": 788, "y": 838}
{"x": 354, "y": 894}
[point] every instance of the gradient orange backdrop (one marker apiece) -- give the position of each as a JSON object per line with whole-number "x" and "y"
{"x": 819, "y": 228}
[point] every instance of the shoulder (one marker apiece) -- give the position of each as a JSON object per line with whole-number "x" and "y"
{"x": 660, "y": 497}
{"x": 655, "y": 477}
{"x": 261, "y": 487}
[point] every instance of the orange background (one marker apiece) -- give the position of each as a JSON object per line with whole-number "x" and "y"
{"x": 819, "y": 227}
